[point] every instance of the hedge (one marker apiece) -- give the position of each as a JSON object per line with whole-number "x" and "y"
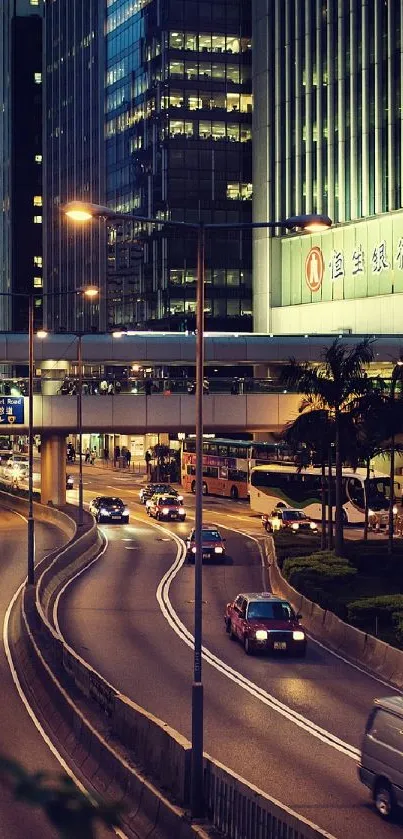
{"x": 321, "y": 577}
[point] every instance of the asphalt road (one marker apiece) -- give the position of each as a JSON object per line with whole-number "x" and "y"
{"x": 112, "y": 617}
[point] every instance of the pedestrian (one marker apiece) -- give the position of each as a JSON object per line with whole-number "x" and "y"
{"x": 128, "y": 457}
{"x": 206, "y": 386}
{"x": 235, "y": 386}
{"x": 116, "y": 455}
{"x": 87, "y": 455}
{"x": 148, "y": 458}
{"x": 118, "y": 387}
{"x": 73, "y": 454}
{"x": 111, "y": 389}
{"x": 148, "y": 386}
{"x": 103, "y": 386}
{"x": 106, "y": 455}
{"x": 93, "y": 456}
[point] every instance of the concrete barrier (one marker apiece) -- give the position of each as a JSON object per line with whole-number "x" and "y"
{"x": 360, "y": 647}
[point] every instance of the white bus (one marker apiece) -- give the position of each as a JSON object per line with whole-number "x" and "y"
{"x": 272, "y": 484}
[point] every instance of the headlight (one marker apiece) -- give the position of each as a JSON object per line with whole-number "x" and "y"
{"x": 298, "y": 635}
{"x": 218, "y": 550}
{"x": 313, "y": 526}
{"x": 125, "y": 511}
{"x": 104, "y": 511}
{"x": 295, "y": 526}
{"x": 261, "y": 635}
{"x": 165, "y": 511}
{"x": 395, "y": 510}
{"x": 180, "y": 497}
{"x": 371, "y": 513}
{"x": 194, "y": 550}
{"x": 182, "y": 512}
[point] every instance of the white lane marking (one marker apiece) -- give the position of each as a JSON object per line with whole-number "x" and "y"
{"x": 235, "y": 676}
{"x": 25, "y": 702}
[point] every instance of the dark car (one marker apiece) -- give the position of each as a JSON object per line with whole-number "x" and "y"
{"x": 166, "y": 507}
{"x": 288, "y": 519}
{"x": 213, "y": 545}
{"x": 149, "y": 490}
{"x": 109, "y": 509}
{"x": 265, "y": 623}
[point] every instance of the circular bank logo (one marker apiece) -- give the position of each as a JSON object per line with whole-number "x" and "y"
{"x": 314, "y": 269}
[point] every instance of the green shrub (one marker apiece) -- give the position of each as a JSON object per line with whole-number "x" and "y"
{"x": 368, "y": 612}
{"x": 22, "y": 493}
{"x": 397, "y": 620}
{"x": 322, "y": 577}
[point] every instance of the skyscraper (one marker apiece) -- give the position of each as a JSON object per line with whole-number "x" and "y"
{"x": 20, "y": 160}
{"x": 74, "y": 160}
{"x": 178, "y": 146}
{"x": 327, "y": 129}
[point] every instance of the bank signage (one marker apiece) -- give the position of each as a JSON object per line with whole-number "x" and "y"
{"x": 11, "y": 410}
{"x": 364, "y": 259}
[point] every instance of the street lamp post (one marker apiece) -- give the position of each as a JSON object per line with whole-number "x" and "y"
{"x": 31, "y": 520}
{"x": 82, "y": 211}
{"x": 80, "y": 429}
{"x": 396, "y": 373}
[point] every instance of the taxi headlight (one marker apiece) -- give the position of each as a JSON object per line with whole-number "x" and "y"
{"x": 298, "y": 635}
{"x": 182, "y": 511}
{"x": 371, "y": 513}
{"x": 295, "y": 526}
{"x": 395, "y": 510}
{"x": 313, "y": 525}
{"x": 194, "y": 550}
{"x": 180, "y": 497}
{"x": 261, "y": 635}
{"x": 104, "y": 511}
{"x": 125, "y": 511}
{"x": 165, "y": 511}
{"x": 218, "y": 550}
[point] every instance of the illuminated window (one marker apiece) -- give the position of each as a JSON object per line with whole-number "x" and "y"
{"x": 38, "y": 158}
{"x": 38, "y": 78}
{"x": 38, "y": 261}
{"x": 37, "y": 200}
{"x": 37, "y": 219}
{"x": 38, "y": 282}
{"x": 38, "y": 302}
{"x": 34, "y": 2}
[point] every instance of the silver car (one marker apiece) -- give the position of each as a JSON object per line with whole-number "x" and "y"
{"x": 381, "y": 766}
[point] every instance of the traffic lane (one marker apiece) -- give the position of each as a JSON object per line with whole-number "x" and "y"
{"x": 322, "y": 687}
{"x": 19, "y": 738}
{"x": 110, "y": 614}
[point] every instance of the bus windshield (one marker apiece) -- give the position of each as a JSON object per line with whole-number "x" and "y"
{"x": 378, "y": 493}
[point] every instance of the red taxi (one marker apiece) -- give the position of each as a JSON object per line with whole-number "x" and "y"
{"x": 213, "y": 545}
{"x": 166, "y": 507}
{"x": 265, "y": 623}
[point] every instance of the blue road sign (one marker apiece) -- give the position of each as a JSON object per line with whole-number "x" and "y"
{"x": 11, "y": 410}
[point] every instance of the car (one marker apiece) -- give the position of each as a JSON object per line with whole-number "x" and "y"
{"x": 285, "y": 518}
{"x": 263, "y": 622}
{"x": 69, "y": 482}
{"x": 147, "y": 492}
{"x": 213, "y": 545}
{"x": 167, "y": 507}
{"x": 109, "y": 508}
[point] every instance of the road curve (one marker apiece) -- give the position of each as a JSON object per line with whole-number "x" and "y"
{"x": 111, "y": 616}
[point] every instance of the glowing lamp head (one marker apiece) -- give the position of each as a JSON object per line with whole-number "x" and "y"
{"x": 91, "y": 291}
{"x": 41, "y": 333}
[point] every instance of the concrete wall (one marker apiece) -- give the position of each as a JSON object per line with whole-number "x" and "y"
{"x": 368, "y": 315}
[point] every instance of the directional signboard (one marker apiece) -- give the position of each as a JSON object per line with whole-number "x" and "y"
{"x": 11, "y": 410}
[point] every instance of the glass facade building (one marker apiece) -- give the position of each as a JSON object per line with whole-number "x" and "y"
{"x": 178, "y": 146}
{"x": 20, "y": 161}
{"x": 327, "y": 138}
{"x": 73, "y": 161}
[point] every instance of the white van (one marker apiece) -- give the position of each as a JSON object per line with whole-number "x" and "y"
{"x": 381, "y": 766}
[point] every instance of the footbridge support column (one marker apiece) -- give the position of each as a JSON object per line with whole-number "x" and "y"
{"x": 53, "y": 469}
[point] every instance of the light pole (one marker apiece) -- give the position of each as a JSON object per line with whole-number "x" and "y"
{"x": 82, "y": 211}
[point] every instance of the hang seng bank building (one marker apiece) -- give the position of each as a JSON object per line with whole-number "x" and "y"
{"x": 328, "y": 110}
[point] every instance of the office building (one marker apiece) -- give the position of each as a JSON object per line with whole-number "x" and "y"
{"x": 20, "y": 161}
{"x": 328, "y": 104}
{"x": 73, "y": 161}
{"x": 178, "y": 146}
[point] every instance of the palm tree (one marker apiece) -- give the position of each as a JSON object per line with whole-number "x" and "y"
{"x": 311, "y": 434}
{"x": 332, "y": 385}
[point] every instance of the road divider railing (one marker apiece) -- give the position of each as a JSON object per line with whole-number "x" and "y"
{"x": 357, "y": 646}
{"x": 116, "y": 747}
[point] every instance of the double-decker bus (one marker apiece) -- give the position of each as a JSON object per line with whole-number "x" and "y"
{"x": 227, "y": 464}
{"x": 301, "y": 489}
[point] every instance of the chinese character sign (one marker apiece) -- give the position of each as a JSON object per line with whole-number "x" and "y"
{"x": 11, "y": 410}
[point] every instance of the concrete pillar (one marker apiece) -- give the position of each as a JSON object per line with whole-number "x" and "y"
{"x": 53, "y": 469}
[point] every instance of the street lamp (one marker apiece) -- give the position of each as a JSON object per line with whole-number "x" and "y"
{"x": 82, "y": 211}
{"x": 91, "y": 292}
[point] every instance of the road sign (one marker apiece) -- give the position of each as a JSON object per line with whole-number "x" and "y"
{"x": 11, "y": 410}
